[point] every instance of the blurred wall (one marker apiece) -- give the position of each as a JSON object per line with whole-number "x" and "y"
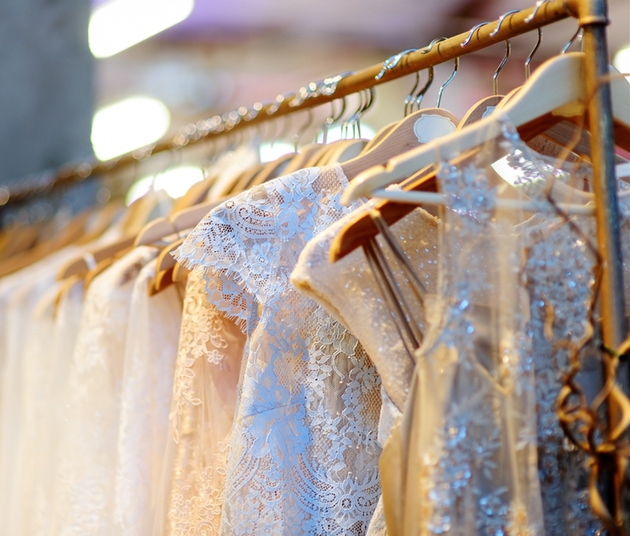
{"x": 46, "y": 85}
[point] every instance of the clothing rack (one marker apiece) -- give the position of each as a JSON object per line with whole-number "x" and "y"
{"x": 312, "y": 95}
{"x": 592, "y": 17}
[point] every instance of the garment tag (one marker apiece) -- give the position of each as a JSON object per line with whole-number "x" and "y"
{"x": 488, "y": 111}
{"x": 431, "y": 126}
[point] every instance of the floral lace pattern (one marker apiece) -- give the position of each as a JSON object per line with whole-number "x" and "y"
{"x": 204, "y": 398}
{"x": 304, "y": 450}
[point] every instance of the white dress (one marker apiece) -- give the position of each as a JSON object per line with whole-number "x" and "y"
{"x": 147, "y": 385}
{"x": 85, "y": 487}
{"x": 304, "y": 447}
{"x": 349, "y": 291}
{"x": 25, "y": 340}
{"x": 202, "y": 412}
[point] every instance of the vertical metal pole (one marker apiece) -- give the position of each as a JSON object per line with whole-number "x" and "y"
{"x": 593, "y": 18}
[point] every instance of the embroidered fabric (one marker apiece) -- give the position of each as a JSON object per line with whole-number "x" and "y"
{"x": 304, "y": 450}
{"x": 468, "y": 430}
{"x": 204, "y": 399}
{"x": 147, "y": 384}
{"x": 559, "y": 271}
{"x": 348, "y": 290}
{"x": 85, "y": 486}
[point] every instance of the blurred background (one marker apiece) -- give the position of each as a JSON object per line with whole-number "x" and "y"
{"x": 102, "y": 78}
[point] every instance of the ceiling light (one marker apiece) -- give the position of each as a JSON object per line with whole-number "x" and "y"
{"x": 622, "y": 61}
{"x": 175, "y": 182}
{"x": 120, "y": 24}
{"x": 128, "y": 125}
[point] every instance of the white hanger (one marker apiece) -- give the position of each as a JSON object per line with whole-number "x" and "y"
{"x": 556, "y": 87}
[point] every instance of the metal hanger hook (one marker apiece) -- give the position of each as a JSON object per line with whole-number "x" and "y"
{"x": 450, "y": 79}
{"x": 471, "y": 33}
{"x": 410, "y": 97}
{"x": 501, "y": 19}
{"x": 535, "y": 12}
{"x": 423, "y": 91}
{"x": 391, "y": 62}
{"x": 528, "y": 61}
{"x": 430, "y": 46}
{"x": 495, "y": 76}
{"x": 578, "y": 34}
{"x": 298, "y": 135}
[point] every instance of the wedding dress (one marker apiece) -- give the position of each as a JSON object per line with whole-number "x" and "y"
{"x": 349, "y": 292}
{"x": 204, "y": 399}
{"x": 25, "y": 336}
{"x": 304, "y": 452}
{"x": 147, "y": 384}
{"x": 85, "y": 487}
{"x": 468, "y": 433}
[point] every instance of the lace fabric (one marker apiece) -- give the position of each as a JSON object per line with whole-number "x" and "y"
{"x": 304, "y": 451}
{"x": 204, "y": 399}
{"x": 88, "y": 444}
{"x": 147, "y": 383}
{"x": 348, "y": 290}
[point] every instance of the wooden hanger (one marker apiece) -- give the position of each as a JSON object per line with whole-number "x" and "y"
{"x": 343, "y": 151}
{"x": 556, "y": 88}
{"x": 83, "y": 264}
{"x": 164, "y": 267}
{"x": 271, "y": 170}
{"x": 379, "y": 136}
{"x": 357, "y": 232}
{"x": 71, "y": 232}
{"x": 300, "y": 160}
{"x": 414, "y": 130}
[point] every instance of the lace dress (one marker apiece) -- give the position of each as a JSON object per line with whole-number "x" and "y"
{"x": 348, "y": 290}
{"x": 147, "y": 384}
{"x": 202, "y": 413}
{"x": 304, "y": 448}
{"x": 88, "y": 444}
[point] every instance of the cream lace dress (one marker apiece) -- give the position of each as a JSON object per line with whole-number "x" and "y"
{"x": 304, "y": 450}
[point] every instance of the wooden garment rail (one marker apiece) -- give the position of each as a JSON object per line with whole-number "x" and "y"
{"x": 514, "y": 24}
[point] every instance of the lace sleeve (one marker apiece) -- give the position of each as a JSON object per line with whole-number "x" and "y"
{"x": 248, "y": 245}
{"x": 216, "y": 246}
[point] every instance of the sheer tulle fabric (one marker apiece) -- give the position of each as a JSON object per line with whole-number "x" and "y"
{"x": 468, "y": 434}
{"x": 304, "y": 451}
{"x": 23, "y": 378}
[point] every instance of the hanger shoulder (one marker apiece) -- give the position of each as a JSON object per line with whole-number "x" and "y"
{"x": 380, "y": 136}
{"x": 155, "y": 230}
{"x": 271, "y": 170}
{"x": 79, "y": 266}
{"x": 300, "y": 160}
{"x": 345, "y": 151}
{"x": 415, "y": 129}
{"x": 480, "y": 110}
